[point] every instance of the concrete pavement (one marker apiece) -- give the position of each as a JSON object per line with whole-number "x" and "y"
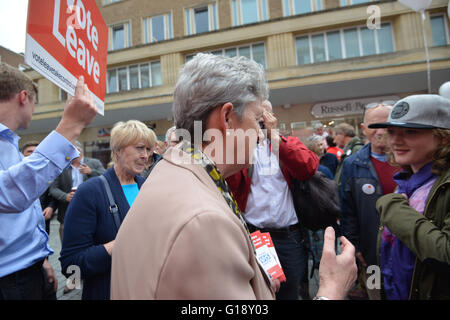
{"x": 55, "y": 244}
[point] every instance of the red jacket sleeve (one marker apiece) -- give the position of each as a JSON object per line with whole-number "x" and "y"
{"x": 297, "y": 161}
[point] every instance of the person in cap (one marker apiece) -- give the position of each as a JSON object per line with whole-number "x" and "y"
{"x": 414, "y": 237}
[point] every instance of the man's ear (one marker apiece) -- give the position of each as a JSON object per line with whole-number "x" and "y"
{"x": 22, "y": 97}
{"x": 363, "y": 128}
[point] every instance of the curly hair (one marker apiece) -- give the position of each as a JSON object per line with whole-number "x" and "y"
{"x": 441, "y": 156}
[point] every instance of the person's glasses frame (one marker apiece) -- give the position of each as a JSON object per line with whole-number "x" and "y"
{"x": 377, "y": 103}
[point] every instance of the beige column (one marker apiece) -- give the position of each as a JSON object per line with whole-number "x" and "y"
{"x": 280, "y": 51}
{"x": 408, "y": 31}
{"x": 170, "y": 66}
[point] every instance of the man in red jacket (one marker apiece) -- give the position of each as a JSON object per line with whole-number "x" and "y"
{"x": 263, "y": 194}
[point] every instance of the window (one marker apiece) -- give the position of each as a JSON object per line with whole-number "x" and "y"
{"x": 318, "y": 47}
{"x": 385, "y": 38}
{"x": 255, "y": 52}
{"x": 351, "y": 43}
{"x": 344, "y": 3}
{"x": 294, "y": 7}
{"x": 334, "y": 45}
{"x": 298, "y": 125}
{"x": 62, "y": 95}
{"x": 119, "y": 36}
{"x": 105, "y": 2}
{"x": 133, "y": 77}
{"x": 344, "y": 43}
{"x": 303, "y": 52}
{"x": 158, "y": 28}
{"x": 249, "y": 11}
{"x": 201, "y": 19}
{"x": 439, "y": 30}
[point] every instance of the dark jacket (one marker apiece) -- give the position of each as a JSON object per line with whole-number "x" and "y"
{"x": 427, "y": 236}
{"x": 359, "y": 217}
{"x": 47, "y": 200}
{"x": 88, "y": 226}
{"x": 156, "y": 159}
{"x": 351, "y": 148}
{"x": 330, "y": 161}
{"x": 63, "y": 184}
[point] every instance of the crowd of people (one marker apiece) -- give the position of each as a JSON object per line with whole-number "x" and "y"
{"x": 393, "y": 190}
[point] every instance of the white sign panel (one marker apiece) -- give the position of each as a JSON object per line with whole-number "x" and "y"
{"x": 332, "y": 109}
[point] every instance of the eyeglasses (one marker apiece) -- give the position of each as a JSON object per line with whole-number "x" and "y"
{"x": 379, "y": 103}
{"x": 371, "y": 105}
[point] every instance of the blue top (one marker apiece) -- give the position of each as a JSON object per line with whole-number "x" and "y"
{"x": 131, "y": 191}
{"x": 23, "y": 240}
{"x": 88, "y": 225}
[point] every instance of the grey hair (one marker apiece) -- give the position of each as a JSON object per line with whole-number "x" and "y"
{"x": 346, "y": 129}
{"x": 315, "y": 139}
{"x": 208, "y": 81}
{"x": 169, "y": 132}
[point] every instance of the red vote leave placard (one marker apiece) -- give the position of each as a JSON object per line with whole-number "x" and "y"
{"x": 66, "y": 39}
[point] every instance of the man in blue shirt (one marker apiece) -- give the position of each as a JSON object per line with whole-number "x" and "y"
{"x": 23, "y": 240}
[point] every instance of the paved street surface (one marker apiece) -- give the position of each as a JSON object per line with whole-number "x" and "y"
{"x": 55, "y": 244}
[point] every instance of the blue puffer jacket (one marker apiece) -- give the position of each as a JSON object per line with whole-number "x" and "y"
{"x": 359, "y": 192}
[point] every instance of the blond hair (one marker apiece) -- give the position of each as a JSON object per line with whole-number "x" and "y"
{"x": 128, "y": 133}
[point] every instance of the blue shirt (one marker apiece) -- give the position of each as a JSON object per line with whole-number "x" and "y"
{"x": 131, "y": 191}
{"x": 23, "y": 240}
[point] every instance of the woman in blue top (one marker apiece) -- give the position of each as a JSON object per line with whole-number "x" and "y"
{"x": 90, "y": 230}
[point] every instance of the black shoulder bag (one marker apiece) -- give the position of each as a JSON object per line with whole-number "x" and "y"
{"x": 113, "y": 208}
{"x": 316, "y": 201}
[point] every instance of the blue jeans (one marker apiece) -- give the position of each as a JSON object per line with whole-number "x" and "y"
{"x": 294, "y": 260}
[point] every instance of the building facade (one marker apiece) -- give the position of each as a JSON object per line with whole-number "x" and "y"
{"x": 12, "y": 58}
{"x": 325, "y": 59}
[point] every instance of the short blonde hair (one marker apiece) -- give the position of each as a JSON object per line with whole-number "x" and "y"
{"x": 128, "y": 133}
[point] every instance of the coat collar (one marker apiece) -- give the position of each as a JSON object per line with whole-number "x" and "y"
{"x": 362, "y": 157}
{"x": 183, "y": 160}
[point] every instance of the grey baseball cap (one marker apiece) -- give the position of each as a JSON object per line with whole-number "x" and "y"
{"x": 423, "y": 111}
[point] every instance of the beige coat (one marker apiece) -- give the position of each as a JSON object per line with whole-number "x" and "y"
{"x": 180, "y": 240}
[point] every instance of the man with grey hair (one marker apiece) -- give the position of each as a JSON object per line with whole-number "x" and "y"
{"x": 366, "y": 176}
{"x": 171, "y": 138}
{"x": 263, "y": 194}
